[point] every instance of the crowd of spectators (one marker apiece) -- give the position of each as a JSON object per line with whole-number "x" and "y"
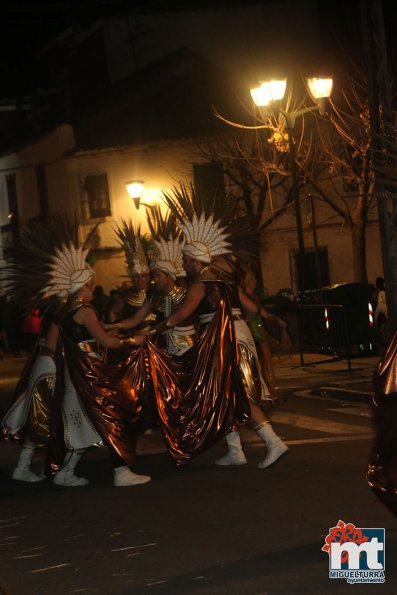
{"x": 19, "y": 331}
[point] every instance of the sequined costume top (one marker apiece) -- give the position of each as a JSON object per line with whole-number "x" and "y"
{"x": 181, "y": 337}
{"x": 133, "y": 301}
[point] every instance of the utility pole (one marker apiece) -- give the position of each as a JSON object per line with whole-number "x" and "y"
{"x": 374, "y": 42}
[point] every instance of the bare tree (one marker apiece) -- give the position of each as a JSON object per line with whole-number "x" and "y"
{"x": 341, "y": 169}
{"x": 333, "y": 162}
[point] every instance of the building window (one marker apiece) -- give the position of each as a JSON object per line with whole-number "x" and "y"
{"x": 95, "y": 200}
{"x": 208, "y": 178}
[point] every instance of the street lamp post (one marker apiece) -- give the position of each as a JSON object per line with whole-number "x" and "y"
{"x": 269, "y": 94}
{"x": 317, "y": 265}
{"x": 297, "y": 206}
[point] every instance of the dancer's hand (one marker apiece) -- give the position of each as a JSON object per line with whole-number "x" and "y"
{"x": 140, "y": 339}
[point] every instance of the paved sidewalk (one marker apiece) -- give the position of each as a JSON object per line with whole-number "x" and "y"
{"x": 325, "y": 376}
{"x": 286, "y": 365}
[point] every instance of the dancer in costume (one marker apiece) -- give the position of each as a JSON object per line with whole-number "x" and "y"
{"x": 27, "y": 421}
{"x": 130, "y": 300}
{"x": 248, "y": 283}
{"x": 89, "y": 409}
{"x": 212, "y": 288}
{"x": 167, "y": 268}
{"x": 28, "y": 418}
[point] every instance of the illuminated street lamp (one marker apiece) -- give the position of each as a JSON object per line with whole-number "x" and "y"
{"x": 268, "y": 95}
{"x": 135, "y": 189}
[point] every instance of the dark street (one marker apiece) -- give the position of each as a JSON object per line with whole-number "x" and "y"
{"x": 200, "y": 528}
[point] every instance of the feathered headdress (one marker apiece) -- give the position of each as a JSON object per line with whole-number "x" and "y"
{"x": 130, "y": 241}
{"x": 212, "y": 225}
{"x": 204, "y": 238}
{"x": 69, "y": 271}
{"x": 168, "y": 257}
{"x": 27, "y": 274}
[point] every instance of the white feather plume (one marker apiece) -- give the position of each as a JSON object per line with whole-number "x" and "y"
{"x": 69, "y": 271}
{"x": 206, "y": 234}
{"x": 168, "y": 257}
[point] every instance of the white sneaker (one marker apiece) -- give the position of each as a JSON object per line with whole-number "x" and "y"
{"x": 236, "y": 459}
{"x": 125, "y": 477}
{"x": 25, "y": 475}
{"x": 69, "y": 480}
{"x": 275, "y": 450}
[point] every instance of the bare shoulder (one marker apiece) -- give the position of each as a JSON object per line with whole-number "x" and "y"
{"x": 196, "y": 288}
{"x": 86, "y": 313}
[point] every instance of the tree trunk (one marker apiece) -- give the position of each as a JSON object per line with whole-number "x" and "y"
{"x": 359, "y": 252}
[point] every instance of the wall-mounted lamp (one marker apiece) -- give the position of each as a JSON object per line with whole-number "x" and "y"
{"x": 135, "y": 190}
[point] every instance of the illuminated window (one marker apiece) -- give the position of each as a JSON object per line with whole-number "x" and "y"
{"x": 95, "y": 199}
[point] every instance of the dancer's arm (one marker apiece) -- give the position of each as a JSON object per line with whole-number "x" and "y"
{"x": 87, "y": 316}
{"x": 138, "y": 317}
{"x": 194, "y": 294}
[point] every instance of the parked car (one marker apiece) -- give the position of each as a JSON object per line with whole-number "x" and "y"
{"x": 339, "y": 318}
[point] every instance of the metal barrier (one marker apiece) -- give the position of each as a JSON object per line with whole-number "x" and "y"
{"x": 324, "y": 328}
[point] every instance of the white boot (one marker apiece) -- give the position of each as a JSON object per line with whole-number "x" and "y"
{"x": 22, "y": 471}
{"x": 235, "y": 454}
{"x": 275, "y": 446}
{"x": 123, "y": 476}
{"x": 66, "y": 476}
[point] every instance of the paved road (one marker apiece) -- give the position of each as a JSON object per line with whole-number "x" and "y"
{"x": 200, "y": 529}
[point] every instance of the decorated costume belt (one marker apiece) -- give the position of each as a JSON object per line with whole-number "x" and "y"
{"x": 184, "y": 330}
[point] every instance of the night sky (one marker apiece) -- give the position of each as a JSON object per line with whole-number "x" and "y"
{"x": 27, "y": 25}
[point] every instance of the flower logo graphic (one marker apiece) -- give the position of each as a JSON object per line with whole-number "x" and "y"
{"x": 342, "y": 533}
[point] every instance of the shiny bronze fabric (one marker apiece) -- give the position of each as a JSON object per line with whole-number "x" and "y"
{"x": 39, "y": 414}
{"x": 113, "y": 406}
{"x": 214, "y": 400}
{"x": 250, "y": 373}
{"x": 382, "y": 469}
{"x": 197, "y": 398}
{"x": 112, "y": 401}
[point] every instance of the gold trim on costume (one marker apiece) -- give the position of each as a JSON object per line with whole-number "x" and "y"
{"x": 172, "y": 300}
{"x": 88, "y": 346}
{"x": 136, "y": 299}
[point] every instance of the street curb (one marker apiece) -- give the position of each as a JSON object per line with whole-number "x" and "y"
{"x": 336, "y": 394}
